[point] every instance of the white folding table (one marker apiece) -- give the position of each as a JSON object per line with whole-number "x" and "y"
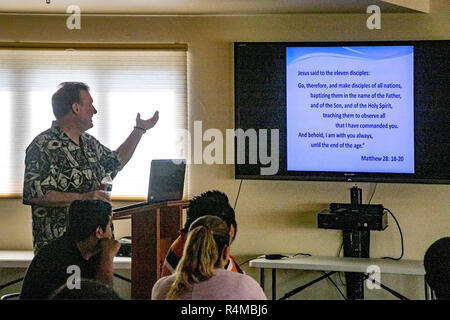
{"x": 340, "y": 264}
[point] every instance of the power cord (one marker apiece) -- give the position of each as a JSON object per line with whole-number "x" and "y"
{"x": 401, "y": 237}
{"x": 340, "y": 273}
{"x": 329, "y": 278}
{"x": 300, "y": 254}
{"x": 237, "y": 197}
{"x": 247, "y": 261}
{"x": 373, "y": 193}
{"x": 274, "y": 257}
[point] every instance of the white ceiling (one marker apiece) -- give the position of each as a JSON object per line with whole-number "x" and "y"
{"x": 198, "y": 7}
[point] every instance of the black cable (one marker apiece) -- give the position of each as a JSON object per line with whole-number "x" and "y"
{"x": 339, "y": 254}
{"x": 374, "y": 189}
{"x": 122, "y": 277}
{"x": 301, "y": 254}
{"x": 237, "y": 197}
{"x": 329, "y": 278}
{"x": 393, "y": 292}
{"x": 340, "y": 248}
{"x": 247, "y": 261}
{"x": 264, "y": 255}
{"x": 401, "y": 237}
{"x": 298, "y": 289}
{"x": 340, "y": 278}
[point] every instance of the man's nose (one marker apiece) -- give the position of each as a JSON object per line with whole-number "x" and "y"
{"x": 95, "y": 110}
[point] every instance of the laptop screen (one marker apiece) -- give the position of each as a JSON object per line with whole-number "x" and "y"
{"x": 166, "y": 180}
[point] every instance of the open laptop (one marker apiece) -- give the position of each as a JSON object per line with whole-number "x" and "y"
{"x": 165, "y": 184}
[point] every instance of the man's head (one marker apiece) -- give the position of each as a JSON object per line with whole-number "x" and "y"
{"x": 74, "y": 99}
{"x": 89, "y": 218}
{"x": 214, "y": 203}
{"x": 437, "y": 267}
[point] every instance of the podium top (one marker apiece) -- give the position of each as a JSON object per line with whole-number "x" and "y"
{"x": 126, "y": 214}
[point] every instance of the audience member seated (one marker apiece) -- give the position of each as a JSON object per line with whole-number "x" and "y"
{"x": 437, "y": 268}
{"x": 87, "y": 290}
{"x": 200, "y": 274}
{"x": 213, "y": 203}
{"x": 86, "y": 250}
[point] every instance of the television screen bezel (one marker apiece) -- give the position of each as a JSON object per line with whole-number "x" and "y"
{"x": 240, "y": 169}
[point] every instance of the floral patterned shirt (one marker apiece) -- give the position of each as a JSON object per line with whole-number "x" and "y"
{"x": 54, "y": 162}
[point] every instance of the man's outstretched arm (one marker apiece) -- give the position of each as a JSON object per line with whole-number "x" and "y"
{"x": 127, "y": 148}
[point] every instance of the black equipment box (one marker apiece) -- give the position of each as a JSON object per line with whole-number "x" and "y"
{"x": 344, "y": 216}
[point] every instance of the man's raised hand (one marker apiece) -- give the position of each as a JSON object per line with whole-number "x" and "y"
{"x": 147, "y": 124}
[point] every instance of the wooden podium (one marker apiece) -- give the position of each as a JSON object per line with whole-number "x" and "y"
{"x": 153, "y": 229}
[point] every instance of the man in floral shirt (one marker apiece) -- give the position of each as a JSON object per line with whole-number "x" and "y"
{"x": 64, "y": 163}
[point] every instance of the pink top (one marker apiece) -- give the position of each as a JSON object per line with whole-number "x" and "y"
{"x": 224, "y": 285}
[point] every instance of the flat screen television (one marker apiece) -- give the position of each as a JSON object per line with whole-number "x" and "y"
{"x": 374, "y": 111}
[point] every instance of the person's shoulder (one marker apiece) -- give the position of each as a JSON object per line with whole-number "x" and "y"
{"x": 90, "y": 139}
{"x": 238, "y": 286}
{"x": 162, "y": 286}
{"x": 238, "y": 277}
{"x": 94, "y": 144}
{"x": 87, "y": 136}
{"x": 57, "y": 249}
{"x": 44, "y": 257}
{"x": 228, "y": 274}
{"x": 166, "y": 279}
{"x": 43, "y": 138}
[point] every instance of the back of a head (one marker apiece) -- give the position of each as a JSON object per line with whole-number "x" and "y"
{"x": 207, "y": 238}
{"x": 88, "y": 290}
{"x": 437, "y": 267}
{"x": 67, "y": 94}
{"x": 214, "y": 203}
{"x": 85, "y": 216}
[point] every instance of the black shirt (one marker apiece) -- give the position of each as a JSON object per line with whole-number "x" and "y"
{"x": 49, "y": 268}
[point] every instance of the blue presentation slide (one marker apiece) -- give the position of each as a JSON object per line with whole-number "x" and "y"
{"x": 350, "y": 109}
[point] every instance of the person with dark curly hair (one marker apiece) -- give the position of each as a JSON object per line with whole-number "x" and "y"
{"x": 213, "y": 203}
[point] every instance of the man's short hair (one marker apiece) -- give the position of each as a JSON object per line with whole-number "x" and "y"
{"x": 85, "y": 216}
{"x": 67, "y": 94}
{"x": 214, "y": 203}
{"x": 437, "y": 267}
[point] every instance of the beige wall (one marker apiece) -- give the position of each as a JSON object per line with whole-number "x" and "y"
{"x": 273, "y": 216}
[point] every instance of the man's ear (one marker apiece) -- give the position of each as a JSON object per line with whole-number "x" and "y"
{"x": 99, "y": 232}
{"x": 75, "y": 107}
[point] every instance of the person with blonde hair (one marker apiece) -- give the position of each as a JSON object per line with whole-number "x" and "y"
{"x": 214, "y": 203}
{"x": 200, "y": 275}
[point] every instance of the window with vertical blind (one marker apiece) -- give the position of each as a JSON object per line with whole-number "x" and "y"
{"x": 122, "y": 83}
